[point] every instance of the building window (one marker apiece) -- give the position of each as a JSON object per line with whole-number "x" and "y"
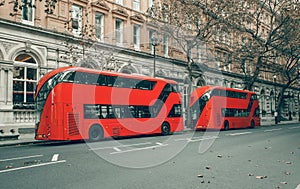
{"x": 76, "y": 19}
{"x": 99, "y": 26}
{"x": 151, "y": 3}
{"x": 151, "y": 8}
{"x": 165, "y": 12}
{"x": 166, "y": 46}
{"x": 136, "y": 37}
{"x": 136, "y": 5}
{"x": 28, "y": 12}
{"x": 24, "y": 82}
{"x": 119, "y": 32}
{"x": 120, "y": 2}
{"x": 199, "y": 52}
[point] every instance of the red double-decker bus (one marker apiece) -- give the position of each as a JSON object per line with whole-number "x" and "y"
{"x": 75, "y": 103}
{"x": 215, "y": 107}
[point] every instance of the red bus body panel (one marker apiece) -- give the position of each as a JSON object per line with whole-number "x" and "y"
{"x": 63, "y": 115}
{"x": 211, "y": 116}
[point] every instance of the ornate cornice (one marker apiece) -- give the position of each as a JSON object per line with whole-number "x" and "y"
{"x": 101, "y": 4}
{"x": 138, "y": 18}
{"x": 121, "y": 12}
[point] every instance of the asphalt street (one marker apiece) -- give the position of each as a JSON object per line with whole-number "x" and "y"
{"x": 260, "y": 158}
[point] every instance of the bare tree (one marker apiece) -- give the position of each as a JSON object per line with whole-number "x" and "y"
{"x": 258, "y": 26}
{"x": 18, "y": 5}
{"x": 290, "y": 52}
{"x": 188, "y": 24}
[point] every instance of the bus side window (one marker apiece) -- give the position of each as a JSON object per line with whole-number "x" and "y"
{"x": 103, "y": 111}
{"x": 110, "y": 112}
{"x": 111, "y": 80}
{"x": 68, "y": 77}
{"x": 101, "y": 80}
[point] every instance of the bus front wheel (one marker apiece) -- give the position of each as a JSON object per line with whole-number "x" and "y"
{"x": 226, "y": 125}
{"x": 165, "y": 129}
{"x": 96, "y": 133}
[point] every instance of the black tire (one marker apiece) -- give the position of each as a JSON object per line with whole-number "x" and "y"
{"x": 165, "y": 128}
{"x": 252, "y": 125}
{"x": 96, "y": 133}
{"x": 226, "y": 125}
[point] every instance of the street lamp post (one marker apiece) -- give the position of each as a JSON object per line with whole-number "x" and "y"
{"x": 276, "y": 113}
{"x": 154, "y": 42}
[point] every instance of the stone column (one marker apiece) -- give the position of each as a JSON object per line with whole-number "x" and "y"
{"x": 7, "y": 127}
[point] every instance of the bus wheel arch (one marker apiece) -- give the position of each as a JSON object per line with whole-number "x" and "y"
{"x": 165, "y": 128}
{"x": 252, "y": 124}
{"x": 96, "y": 133}
{"x": 226, "y": 125}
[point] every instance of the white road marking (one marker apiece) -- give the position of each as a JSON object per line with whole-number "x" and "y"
{"x": 117, "y": 149}
{"x": 237, "y": 134}
{"x": 270, "y": 130}
{"x": 201, "y": 139}
{"x": 298, "y": 187}
{"x": 158, "y": 143}
{"x": 194, "y": 139}
{"x": 18, "y": 158}
{"x": 120, "y": 146}
{"x": 55, "y": 157}
{"x": 138, "y": 149}
{"x": 32, "y": 166}
{"x": 294, "y": 127}
{"x": 179, "y": 139}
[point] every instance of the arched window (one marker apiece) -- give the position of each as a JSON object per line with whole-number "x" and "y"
{"x": 24, "y": 81}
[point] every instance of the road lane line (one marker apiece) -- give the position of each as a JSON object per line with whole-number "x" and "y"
{"x": 180, "y": 139}
{"x": 117, "y": 149}
{"x": 298, "y": 187}
{"x": 120, "y": 146}
{"x": 158, "y": 143}
{"x": 195, "y": 139}
{"x": 18, "y": 158}
{"x": 201, "y": 139}
{"x": 294, "y": 127}
{"x": 271, "y": 130}
{"x": 55, "y": 157}
{"x": 32, "y": 166}
{"x": 237, "y": 134}
{"x": 139, "y": 149}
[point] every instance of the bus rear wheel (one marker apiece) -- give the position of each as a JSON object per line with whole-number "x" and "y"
{"x": 165, "y": 128}
{"x": 96, "y": 133}
{"x": 226, "y": 125}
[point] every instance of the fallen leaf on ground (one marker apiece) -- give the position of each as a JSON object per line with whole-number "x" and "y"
{"x": 261, "y": 177}
{"x": 287, "y": 173}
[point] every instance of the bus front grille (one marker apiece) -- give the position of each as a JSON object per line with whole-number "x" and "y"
{"x": 73, "y": 124}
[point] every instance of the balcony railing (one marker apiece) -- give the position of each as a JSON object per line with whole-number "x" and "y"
{"x": 24, "y": 116}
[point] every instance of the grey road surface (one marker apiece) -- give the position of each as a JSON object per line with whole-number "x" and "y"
{"x": 260, "y": 158}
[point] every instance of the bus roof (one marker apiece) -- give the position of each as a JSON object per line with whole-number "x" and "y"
{"x": 89, "y": 70}
{"x": 201, "y": 90}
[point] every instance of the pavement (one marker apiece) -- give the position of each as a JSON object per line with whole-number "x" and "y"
{"x": 28, "y": 138}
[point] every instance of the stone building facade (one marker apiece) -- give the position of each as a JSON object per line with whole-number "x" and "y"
{"x": 33, "y": 43}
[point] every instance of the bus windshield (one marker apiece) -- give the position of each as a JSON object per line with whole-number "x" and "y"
{"x": 44, "y": 92}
